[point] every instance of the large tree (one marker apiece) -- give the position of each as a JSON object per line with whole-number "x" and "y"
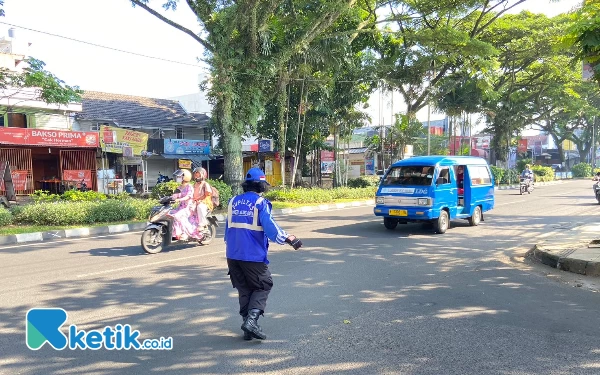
{"x": 246, "y": 43}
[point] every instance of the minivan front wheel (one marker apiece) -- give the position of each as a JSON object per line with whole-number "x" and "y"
{"x": 390, "y": 223}
{"x": 442, "y": 223}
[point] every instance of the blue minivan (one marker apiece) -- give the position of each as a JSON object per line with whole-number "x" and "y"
{"x": 435, "y": 190}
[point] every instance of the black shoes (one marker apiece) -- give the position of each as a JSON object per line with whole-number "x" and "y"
{"x": 251, "y": 327}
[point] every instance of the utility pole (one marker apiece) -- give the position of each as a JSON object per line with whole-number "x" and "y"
{"x": 594, "y": 144}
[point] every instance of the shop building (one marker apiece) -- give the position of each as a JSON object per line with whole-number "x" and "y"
{"x": 42, "y": 151}
{"x": 141, "y": 138}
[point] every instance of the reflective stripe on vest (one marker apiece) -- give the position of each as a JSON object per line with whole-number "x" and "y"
{"x": 253, "y": 226}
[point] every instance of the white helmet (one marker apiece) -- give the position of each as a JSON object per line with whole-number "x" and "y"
{"x": 202, "y": 172}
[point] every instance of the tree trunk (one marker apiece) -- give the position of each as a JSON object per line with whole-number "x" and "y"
{"x": 231, "y": 140}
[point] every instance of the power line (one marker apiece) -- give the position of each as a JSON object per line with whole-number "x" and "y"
{"x": 101, "y": 46}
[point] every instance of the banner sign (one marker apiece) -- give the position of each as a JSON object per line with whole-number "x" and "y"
{"x": 116, "y": 139}
{"x": 52, "y": 138}
{"x": 186, "y": 147}
{"x": 77, "y": 176}
{"x": 19, "y": 179}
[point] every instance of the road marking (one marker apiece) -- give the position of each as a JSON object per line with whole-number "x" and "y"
{"x": 147, "y": 264}
{"x": 66, "y": 240}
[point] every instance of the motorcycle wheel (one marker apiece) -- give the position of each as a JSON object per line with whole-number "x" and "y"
{"x": 598, "y": 198}
{"x": 522, "y": 189}
{"x": 152, "y": 241}
{"x": 210, "y": 236}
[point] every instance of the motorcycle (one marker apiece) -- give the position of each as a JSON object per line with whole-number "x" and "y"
{"x": 159, "y": 230}
{"x": 597, "y": 191}
{"x": 525, "y": 186}
{"x": 162, "y": 178}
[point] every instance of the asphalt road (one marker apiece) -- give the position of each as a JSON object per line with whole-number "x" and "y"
{"x": 357, "y": 299}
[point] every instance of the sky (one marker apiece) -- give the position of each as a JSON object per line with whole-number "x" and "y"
{"x": 116, "y": 24}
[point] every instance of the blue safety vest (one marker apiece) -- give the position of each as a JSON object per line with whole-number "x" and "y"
{"x": 246, "y": 239}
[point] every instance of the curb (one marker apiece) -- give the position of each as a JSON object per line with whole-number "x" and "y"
{"x": 565, "y": 263}
{"x": 133, "y": 227}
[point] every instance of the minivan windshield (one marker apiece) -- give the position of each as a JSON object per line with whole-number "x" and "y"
{"x": 410, "y": 175}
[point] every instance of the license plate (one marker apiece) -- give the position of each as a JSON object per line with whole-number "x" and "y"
{"x": 398, "y": 212}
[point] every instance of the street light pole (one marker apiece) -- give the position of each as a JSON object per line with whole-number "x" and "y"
{"x": 594, "y": 144}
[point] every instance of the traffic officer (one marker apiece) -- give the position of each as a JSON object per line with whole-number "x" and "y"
{"x": 248, "y": 229}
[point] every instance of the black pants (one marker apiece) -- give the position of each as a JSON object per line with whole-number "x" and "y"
{"x": 253, "y": 281}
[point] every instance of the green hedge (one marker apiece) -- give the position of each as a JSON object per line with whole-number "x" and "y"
{"x": 6, "y": 217}
{"x": 75, "y": 196}
{"x": 498, "y": 174}
{"x": 363, "y": 182}
{"x": 302, "y": 195}
{"x": 543, "y": 174}
{"x": 582, "y": 170}
{"x": 82, "y": 212}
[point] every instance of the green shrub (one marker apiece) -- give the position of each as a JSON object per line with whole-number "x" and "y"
{"x": 121, "y": 196}
{"x": 110, "y": 211}
{"x": 510, "y": 176}
{"x": 363, "y": 182}
{"x": 315, "y": 195}
{"x": 225, "y": 192}
{"x": 82, "y": 212}
{"x": 54, "y": 213}
{"x": 82, "y": 196}
{"x": 582, "y": 170}
{"x": 543, "y": 173}
{"x": 142, "y": 207}
{"x": 6, "y": 217}
{"x": 44, "y": 196}
{"x": 498, "y": 174}
{"x": 521, "y": 163}
{"x": 164, "y": 189}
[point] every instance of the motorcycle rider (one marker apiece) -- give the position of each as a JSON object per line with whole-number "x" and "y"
{"x": 527, "y": 174}
{"x": 248, "y": 229}
{"x": 185, "y": 223}
{"x": 202, "y": 197}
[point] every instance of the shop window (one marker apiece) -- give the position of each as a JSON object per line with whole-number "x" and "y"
{"x": 16, "y": 120}
{"x": 179, "y": 133}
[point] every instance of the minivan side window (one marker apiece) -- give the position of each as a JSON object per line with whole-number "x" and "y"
{"x": 444, "y": 177}
{"x": 480, "y": 175}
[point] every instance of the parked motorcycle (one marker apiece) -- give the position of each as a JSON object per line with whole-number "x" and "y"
{"x": 83, "y": 186}
{"x": 597, "y": 191}
{"x": 162, "y": 178}
{"x": 159, "y": 231}
{"x": 525, "y": 186}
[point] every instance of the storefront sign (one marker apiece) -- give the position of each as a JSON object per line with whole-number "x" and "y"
{"x": 78, "y": 176}
{"x": 369, "y": 167}
{"x": 186, "y": 147}
{"x": 327, "y": 155}
{"x": 19, "y": 179}
{"x": 115, "y": 139}
{"x": 52, "y": 138}
{"x": 265, "y": 145}
{"x": 186, "y": 164}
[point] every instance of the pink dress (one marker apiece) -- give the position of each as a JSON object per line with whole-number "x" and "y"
{"x": 185, "y": 221}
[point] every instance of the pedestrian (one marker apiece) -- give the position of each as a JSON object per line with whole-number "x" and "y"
{"x": 248, "y": 229}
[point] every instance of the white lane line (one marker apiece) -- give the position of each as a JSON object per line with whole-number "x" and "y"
{"x": 147, "y": 264}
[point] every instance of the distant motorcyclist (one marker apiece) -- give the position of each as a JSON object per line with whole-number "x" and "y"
{"x": 527, "y": 175}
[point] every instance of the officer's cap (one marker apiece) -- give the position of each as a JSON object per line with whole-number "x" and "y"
{"x": 256, "y": 175}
